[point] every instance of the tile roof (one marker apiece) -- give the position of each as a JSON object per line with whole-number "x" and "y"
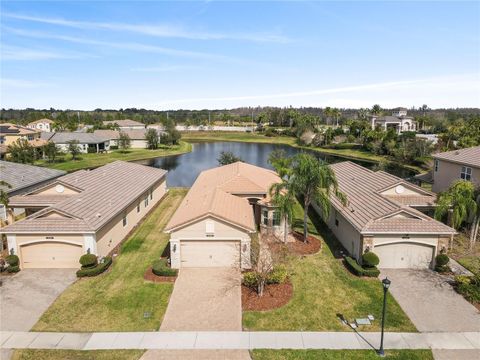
{"x": 83, "y": 138}
{"x": 106, "y": 192}
{"x": 368, "y": 210}
{"x": 13, "y": 129}
{"x": 126, "y": 122}
{"x": 469, "y": 156}
{"x": 21, "y": 176}
{"x": 115, "y": 134}
{"x": 212, "y": 194}
{"x": 36, "y": 200}
{"x": 41, "y": 121}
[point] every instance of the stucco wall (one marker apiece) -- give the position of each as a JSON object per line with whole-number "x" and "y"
{"x": 448, "y": 172}
{"x": 114, "y": 232}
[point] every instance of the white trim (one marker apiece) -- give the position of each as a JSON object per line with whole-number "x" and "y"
{"x": 89, "y": 242}
{"x": 404, "y": 241}
{"x": 223, "y": 238}
{"x": 12, "y": 243}
{"x": 206, "y": 216}
{"x": 50, "y": 240}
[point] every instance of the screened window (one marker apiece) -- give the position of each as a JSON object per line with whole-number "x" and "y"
{"x": 146, "y": 201}
{"x": 151, "y": 194}
{"x": 124, "y": 221}
{"x": 276, "y": 218}
{"x": 265, "y": 217}
{"x": 466, "y": 173}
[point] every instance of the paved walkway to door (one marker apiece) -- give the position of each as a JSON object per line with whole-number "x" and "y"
{"x": 430, "y": 302}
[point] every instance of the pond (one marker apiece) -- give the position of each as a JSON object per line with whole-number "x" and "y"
{"x": 184, "y": 169}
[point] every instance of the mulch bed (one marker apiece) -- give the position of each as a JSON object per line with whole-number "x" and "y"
{"x": 274, "y": 296}
{"x": 150, "y": 276}
{"x": 312, "y": 246}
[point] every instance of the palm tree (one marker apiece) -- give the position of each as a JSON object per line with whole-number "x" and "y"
{"x": 316, "y": 182}
{"x": 284, "y": 200}
{"x": 328, "y": 113}
{"x": 462, "y": 203}
{"x": 336, "y": 113}
{"x": 376, "y": 109}
{"x": 3, "y": 194}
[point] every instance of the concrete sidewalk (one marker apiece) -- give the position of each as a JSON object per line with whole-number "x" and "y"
{"x": 212, "y": 340}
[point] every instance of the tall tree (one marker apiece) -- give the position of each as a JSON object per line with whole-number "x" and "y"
{"x": 227, "y": 157}
{"x": 284, "y": 200}
{"x": 51, "y": 151}
{"x": 124, "y": 141}
{"x": 281, "y": 163}
{"x": 152, "y": 139}
{"x": 336, "y": 114}
{"x": 376, "y": 109}
{"x": 315, "y": 181}
{"x": 21, "y": 152}
{"x": 74, "y": 148}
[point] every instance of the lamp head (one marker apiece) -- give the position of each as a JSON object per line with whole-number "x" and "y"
{"x": 386, "y": 283}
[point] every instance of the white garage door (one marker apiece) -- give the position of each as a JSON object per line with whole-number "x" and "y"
{"x": 51, "y": 255}
{"x": 404, "y": 256}
{"x": 210, "y": 253}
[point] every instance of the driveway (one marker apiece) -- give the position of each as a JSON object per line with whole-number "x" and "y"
{"x": 26, "y": 295}
{"x": 430, "y": 302}
{"x": 205, "y": 299}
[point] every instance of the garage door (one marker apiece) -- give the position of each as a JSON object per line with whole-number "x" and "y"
{"x": 210, "y": 253}
{"x": 404, "y": 256}
{"x": 51, "y": 255}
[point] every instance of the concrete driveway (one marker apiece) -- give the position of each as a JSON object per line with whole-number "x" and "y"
{"x": 26, "y": 295}
{"x": 430, "y": 302}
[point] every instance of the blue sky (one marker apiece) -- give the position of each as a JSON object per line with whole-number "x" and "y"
{"x": 195, "y": 55}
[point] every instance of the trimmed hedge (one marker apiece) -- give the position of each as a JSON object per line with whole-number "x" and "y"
{"x": 97, "y": 270}
{"x": 370, "y": 260}
{"x": 12, "y": 260}
{"x": 160, "y": 268}
{"x": 360, "y": 271}
{"x": 441, "y": 261}
{"x": 277, "y": 276}
{"x": 88, "y": 261}
{"x": 13, "y": 269}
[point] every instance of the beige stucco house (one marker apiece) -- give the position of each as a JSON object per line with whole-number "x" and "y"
{"x": 137, "y": 137}
{"x": 126, "y": 124}
{"x": 463, "y": 164}
{"x": 83, "y": 211}
{"x": 45, "y": 125}
{"x": 386, "y": 214}
{"x": 224, "y": 207}
{"x": 399, "y": 121}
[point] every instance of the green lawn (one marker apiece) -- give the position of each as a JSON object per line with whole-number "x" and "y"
{"x": 87, "y": 161}
{"x": 323, "y": 288}
{"x": 472, "y": 263}
{"x": 340, "y": 355}
{"x": 77, "y": 355}
{"x": 117, "y": 300}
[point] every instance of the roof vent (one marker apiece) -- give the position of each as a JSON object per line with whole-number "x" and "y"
{"x": 98, "y": 215}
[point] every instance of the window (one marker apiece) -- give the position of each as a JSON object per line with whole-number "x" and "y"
{"x": 466, "y": 173}
{"x": 276, "y": 218}
{"x": 151, "y": 194}
{"x": 436, "y": 165}
{"x": 138, "y": 207}
{"x": 146, "y": 200}
{"x": 124, "y": 221}
{"x": 30, "y": 137}
{"x": 265, "y": 217}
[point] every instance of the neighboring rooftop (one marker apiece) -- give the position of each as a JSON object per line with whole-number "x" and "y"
{"x": 13, "y": 129}
{"x": 41, "y": 121}
{"x": 136, "y": 134}
{"x": 213, "y": 193}
{"x": 123, "y": 123}
{"x": 83, "y": 138}
{"x": 469, "y": 156}
{"x": 381, "y": 202}
{"x": 21, "y": 176}
{"x": 102, "y": 194}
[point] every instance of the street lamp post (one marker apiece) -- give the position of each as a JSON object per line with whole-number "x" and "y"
{"x": 386, "y": 284}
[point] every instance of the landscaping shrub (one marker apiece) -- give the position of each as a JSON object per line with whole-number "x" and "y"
{"x": 370, "y": 260}
{"x": 358, "y": 270}
{"x": 12, "y": 260}
{"x": 469, "y": 287}
{"x": 13, "y": 269}
{"x": 113, "y": 147}
{"x": 88, "y": 261}
{"x": 270, "y": 132}
{"x": 277, "y": 276}
{"x": 96, "y": 270}
{"x": 250, "y": 280}
{"x": 441, "y": 261}
{"x": 161, "y": 268}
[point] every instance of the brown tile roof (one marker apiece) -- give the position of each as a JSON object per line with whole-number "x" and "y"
{"x": 469, "y": 156}
{"x": 370, "y": 211}
{"x": 211, "y": 195}
{"x": 138, "y": 134}
{"x": 126, "y": 122}
{"x": 106, "y": 192}
{"x": 41, "y": 121}
{"x": 13, "y": 129}
{"x": 413, "y": 200}
{"x": 35, "y": 200}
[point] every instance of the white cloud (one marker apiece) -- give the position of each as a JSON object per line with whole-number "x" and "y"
{"x": 164, "y": 68}
{"x": 22, "y": 84}
{"x": 25, "y": 54}
{"x": 156, "y": 30}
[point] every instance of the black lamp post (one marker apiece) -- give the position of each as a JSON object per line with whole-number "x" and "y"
{"x": 386, "y": 284}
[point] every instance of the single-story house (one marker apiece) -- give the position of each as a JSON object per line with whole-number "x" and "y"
{"x": 45, "y": 125}
{"x": 87, "y": 142}
{"x": 463, "y": 164}
{"x": 126, "y": 124}
{"x": 85, "y": 211}
{"x": 386, "y": 214}
{"x": 137, "y": 137}
{"x": 213, "y": 225}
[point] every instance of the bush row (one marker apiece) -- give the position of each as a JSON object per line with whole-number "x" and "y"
{"x": 161, "y": 268}
{"x": 469, "y": 287}
{"x": 277, "y": 276}
{"x": 96, "y": 270}
{"x": 360, "y": 271}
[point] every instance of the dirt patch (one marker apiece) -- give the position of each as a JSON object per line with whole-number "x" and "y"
{"x": 150, "y": 276}
{"x": 299, "y": 247}
{"x": 274, "y": 296}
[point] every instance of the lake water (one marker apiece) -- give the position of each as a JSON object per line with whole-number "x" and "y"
{"x": 184, "y": 169}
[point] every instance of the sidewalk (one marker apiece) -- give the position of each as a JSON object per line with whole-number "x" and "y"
{"x": 236, "y": 340}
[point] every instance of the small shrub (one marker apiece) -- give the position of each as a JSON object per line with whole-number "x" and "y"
{"x": 160, "y": 268}
{"x": 277, "y": 276}
{"x": 441, "y": 262}
{"x": 96, "y": 270}
{"x": 88, "y": 261}
{"x": 358, "y": 270}
{"x": 270, "y": 132}
{"x": 370, "y": 260}
{"x": 91, "y": 150}
{"x": 13, "y": 269}
{"x": 250, "y": 280}
{"x": 113, "y": 147}
{"x": 469, "y": 287}
{"x": 12, "y": 260}
{"x": 462, "y": 280}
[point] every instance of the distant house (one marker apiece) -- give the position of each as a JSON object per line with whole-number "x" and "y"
{"x": 45, "y": 125}
{"x": 137, "y": 137}
{"x": 399, "y": 121}
{"x": 10, "y": 133}
{"x": 126, "y": 124}
{"x": 463, "y": 164}
{"x": 386, "y": 215}
{"x": 85, "y": 211}
{"x": 87, "y": 142}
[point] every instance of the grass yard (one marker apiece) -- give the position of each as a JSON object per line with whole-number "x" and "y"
{"x": 117, "y": 300}
{"x": 471, "y": 263}
{"x": 467, "y": 257}
{"x": 340, "y": 355}
{"x": 87, "y": 161}
{"x": 323, "y": 288}
{"x": 77, "y": 355}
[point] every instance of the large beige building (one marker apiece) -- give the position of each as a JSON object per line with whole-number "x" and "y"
{"x": 463, "y": 164}
{"x": 386, "y": 214}
{"x": 83, "y": 211}
{"x": 10, "y": 133}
